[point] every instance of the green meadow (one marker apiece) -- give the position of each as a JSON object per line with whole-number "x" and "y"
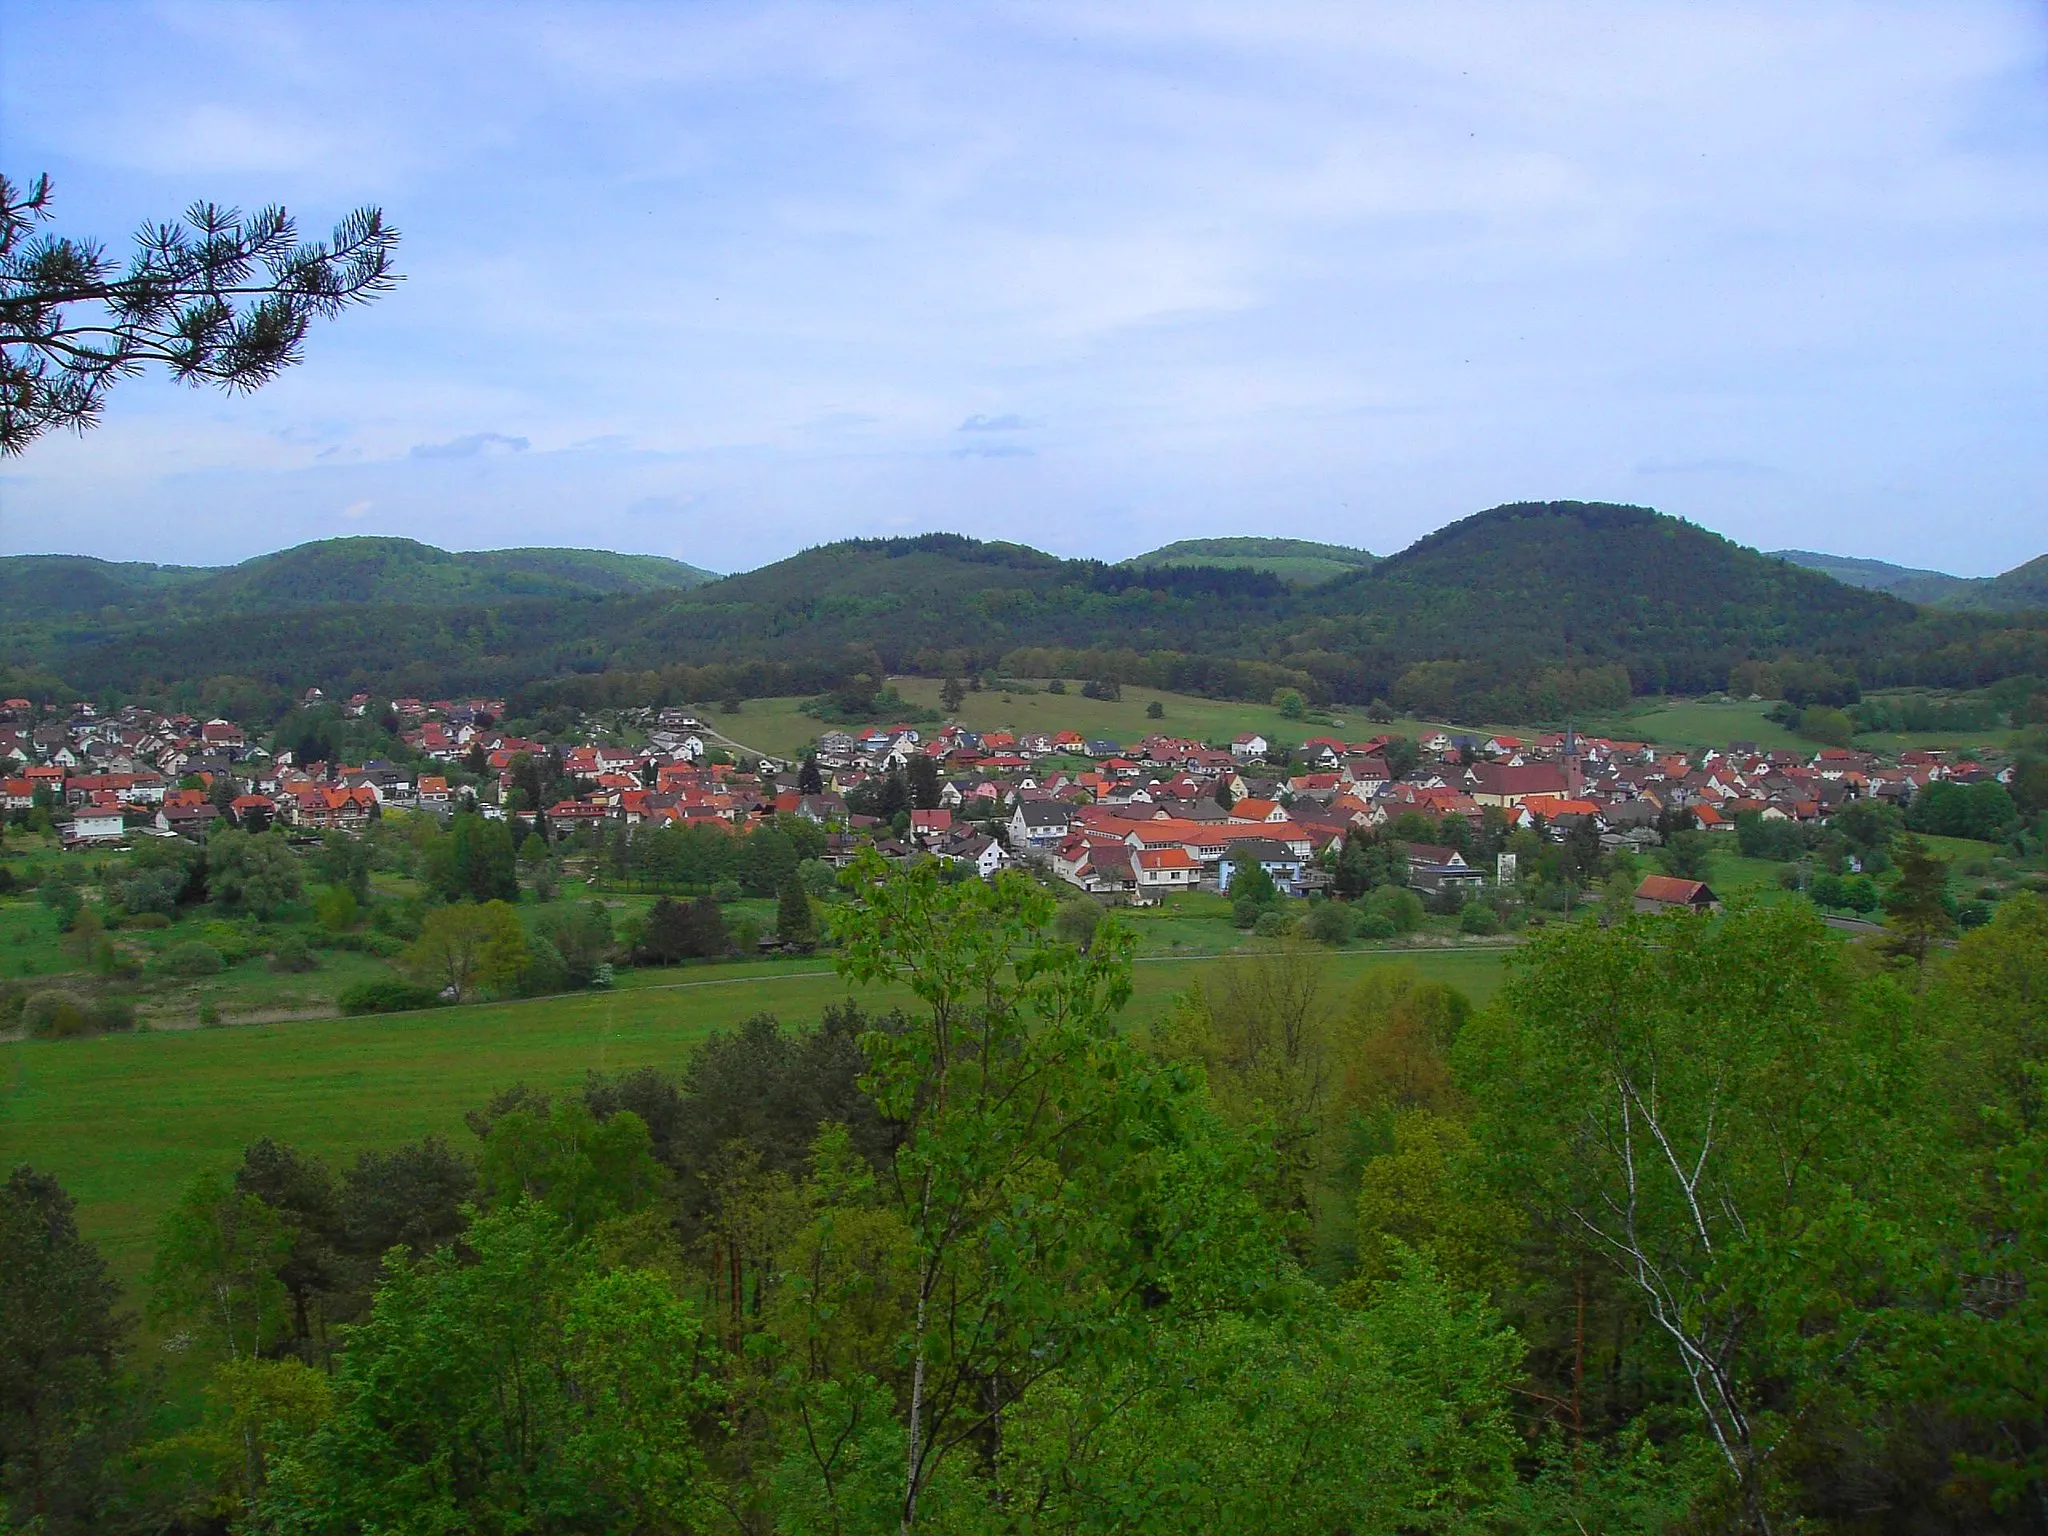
{"x": 126, "y": 1120}
{"x": 779, "y": 728}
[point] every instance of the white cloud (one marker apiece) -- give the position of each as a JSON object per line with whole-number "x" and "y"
{"x": 1286, "y": 268}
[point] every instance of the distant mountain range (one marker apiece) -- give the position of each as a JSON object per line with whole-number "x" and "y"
{"x": 1500, "y": 615}
{"x": 2021, "y": 589}
{"x": 1303, "y": 562}
{"x": 357, "y": 570}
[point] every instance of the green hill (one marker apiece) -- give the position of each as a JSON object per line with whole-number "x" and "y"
{"x": 1302, "y": 562}
{"x": 356, "y": 570}
{"x": 2023, "y": 588}
{"x": 1515, "y": 613}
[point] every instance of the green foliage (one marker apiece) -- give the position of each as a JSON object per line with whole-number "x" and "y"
{"x": 795, "y": 923}
{"x": 189, "y": 959}
{"x": 1829, "y": 726}
{"x": 215, "y": 1273}
{"x": 386, "y": 996}
{"x": 474, "y": 861}
{"x": 1526, "y": 611}
{"x": 60, "y": 1332}
{"x": 1478, "y": 918}
{"x": 583, "y": 1169}
{"x": 1328, "y": 922}
{"x": 337, "y": 909}
{"x": 249, "y": 872}
{"x": 523, "y": 1378}
{"x": 1395, "y": 906}
{"x": 1643, "y": 1087}
{"x": 1982, "y": 810}
{"x": 1387, "y": 1419}
{"x": 462, "y": 948}
{"x": 53, "y": 1014}
{"x": 1685, "y": 855}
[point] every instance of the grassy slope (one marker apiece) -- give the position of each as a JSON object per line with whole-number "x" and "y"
{"x": 125, "y": 1121}
{"x": 778, "y": 727}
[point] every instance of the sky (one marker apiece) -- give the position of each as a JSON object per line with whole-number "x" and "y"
{"x": 723, "y": 281}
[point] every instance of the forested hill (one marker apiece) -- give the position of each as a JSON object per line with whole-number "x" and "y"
{"x": 1301, "y": 561}
{"x": 1501, "y": 616}
{"x": 2021, "y": 589}
{"x": 359, "y": 570}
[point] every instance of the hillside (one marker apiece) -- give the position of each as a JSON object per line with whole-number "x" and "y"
{"x": 1302, "y": 562}
{"x": 354, "y": 570}
{"x": 1517, "y": 613}
{"x": 2021, "y": 589}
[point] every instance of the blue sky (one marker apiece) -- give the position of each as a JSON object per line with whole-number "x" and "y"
{"x": 722, "y": 281}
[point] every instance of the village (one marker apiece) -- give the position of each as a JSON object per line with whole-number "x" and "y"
{"x": 1125, "y": 823}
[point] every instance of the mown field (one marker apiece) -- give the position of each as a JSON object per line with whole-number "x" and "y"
{"x": 125, "y": 1121}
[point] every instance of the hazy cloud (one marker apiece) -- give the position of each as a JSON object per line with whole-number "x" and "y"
{"x": 996, "y": 451}
{"x": 1337, "y": 272}
{"x": 469, "y": 446}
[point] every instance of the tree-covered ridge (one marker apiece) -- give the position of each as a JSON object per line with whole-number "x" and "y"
{"x": 2021, "y": 589}
{"x": 348, "y": 570}
{"x": 1303, "y": 562}
{"x": 1506, "y": 608}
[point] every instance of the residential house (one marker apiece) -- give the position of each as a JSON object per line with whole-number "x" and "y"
{"x": 1157, "y": 871}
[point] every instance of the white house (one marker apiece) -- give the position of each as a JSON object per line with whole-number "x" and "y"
{"x": 1250, "y": 745}
{"x": 95, "y": 825}
{"x": 1159, "y": 870}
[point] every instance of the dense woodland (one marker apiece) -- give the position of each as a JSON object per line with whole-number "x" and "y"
{"x": 1497, "y": 616}
{"x": 1704, "y": 1224}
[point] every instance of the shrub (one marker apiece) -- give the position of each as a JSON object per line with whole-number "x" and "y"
{"x": 1478, "y": 918}
{"x": 146, "y": 921}
{"x": 1328, "y": 922}
{"x": 1399, "y": 907}
{"x": 1270, "y": 925}
{"x": 1077, "y": 920}
{"x": 1375, "y": 925}
{"x": 386, "y": 996}
{"x": 337, "y": 908}
{"x": 110, "y": 1015}
{"x": 293, "y": 954}
{"x": 1244, "y": 912}
{"x": 189, "y": 959}
{"x": 54, "y": 1015}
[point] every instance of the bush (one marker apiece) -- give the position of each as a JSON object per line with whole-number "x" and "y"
{"x": 1244, "y": 912}
{"x": 386, "y": 996}
{"x": 190, "y": 959}
{"x": 1270, "y": 925}
{"x": 110, "y": 1015}
{"x": 1328, "y": 922}
{"x": 147, "y": 921}
{"x": 1375, "y": 925}
{"x": 1077, "y": 920}
{"x": 1397, "y": 906}
{"x": 293, "y": 954}
{"x": 54, "y": 1015}
{"x": 1478, "y": 918}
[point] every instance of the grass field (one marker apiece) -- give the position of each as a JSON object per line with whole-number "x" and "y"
{"x": 777, "y": 727}
{"x": 1699, "y": 723}
{"x": 1707, "y": 723}
{"x": 125, "y": 1121}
